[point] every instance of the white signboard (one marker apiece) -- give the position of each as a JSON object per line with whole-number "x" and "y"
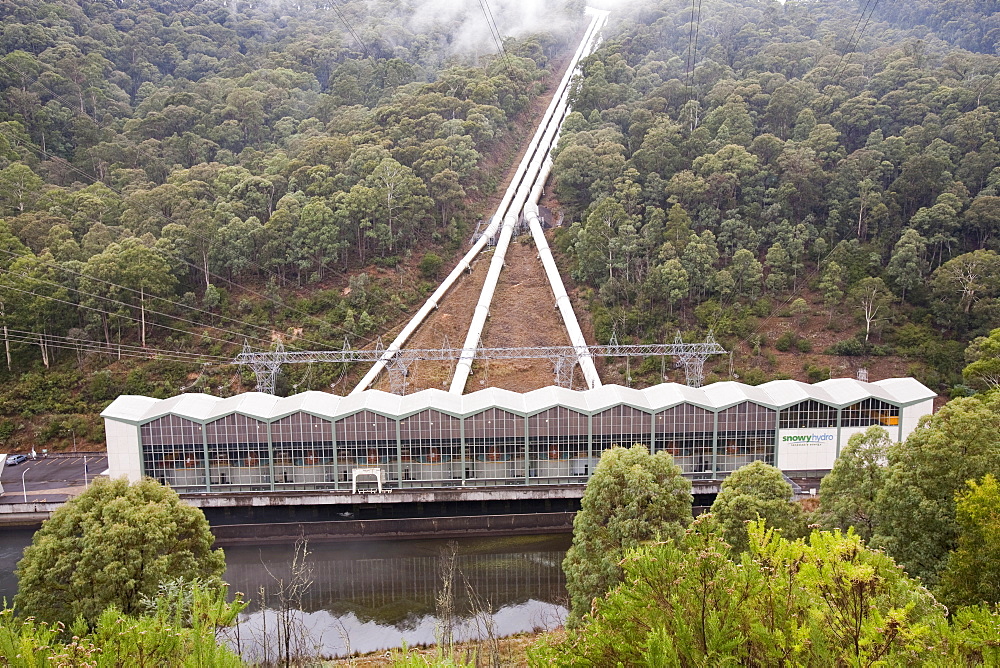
{"x": 806, "y": 449}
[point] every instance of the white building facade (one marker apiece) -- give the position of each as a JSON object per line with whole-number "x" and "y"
{"x": 314, "y": 440}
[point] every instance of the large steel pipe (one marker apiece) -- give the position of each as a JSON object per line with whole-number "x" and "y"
{"x": 498, "y": 218}
{"x": 546, "y": 136}
{"x": 563, "y": 303}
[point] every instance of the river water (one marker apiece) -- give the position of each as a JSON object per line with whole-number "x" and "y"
{"x": 369, "y": 596}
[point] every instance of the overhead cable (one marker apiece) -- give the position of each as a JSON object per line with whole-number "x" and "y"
{"x": 67, "y": 270}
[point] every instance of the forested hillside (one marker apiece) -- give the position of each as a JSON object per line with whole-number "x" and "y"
{"x": 730, "y": 162}
{"x": 178, "y": 175}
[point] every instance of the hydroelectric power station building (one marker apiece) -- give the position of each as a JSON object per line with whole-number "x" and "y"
{"x": 433, "y": 439}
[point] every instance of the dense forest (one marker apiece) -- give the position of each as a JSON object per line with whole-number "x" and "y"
{"x": 178, "y": 176}
{"x": 731, "y": 161}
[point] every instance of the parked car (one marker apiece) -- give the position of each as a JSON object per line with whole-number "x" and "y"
{"x": 14, "y": 460}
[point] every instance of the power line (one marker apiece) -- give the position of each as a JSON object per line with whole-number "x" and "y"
{"x": 495, "y": 34}
{"x": 131, "y": 306}
{"x": 350, "y": 28}
{"x": 108, "y": 313}
{"x": 67, "y": 270}
{"x": 687, "y": 61}
{"x": 842, "y": 65}
{"x": 694, "y": 50}
{"x": 78, "y": 348}
{"x": 102, "y": 346}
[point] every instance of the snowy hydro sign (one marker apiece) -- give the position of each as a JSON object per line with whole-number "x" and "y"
{"x": 807, "y": 439}
{"x": 807, "y": 449}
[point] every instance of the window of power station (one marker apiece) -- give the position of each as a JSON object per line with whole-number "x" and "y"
{"x": 870, "y": 412}
{"x": 431, "y": 444}
{"x": 687, "y": 433}
{"x": 808, "y": 414}
{"x": 238, "y": 452}
{"x": 494, "y": 445}
{"x": 746, "y": 434}
{"x": 173, "y": 452}
{"x": 303, "y": 451}
{"x": 624, "y": 426}
{"x": 366, "y": 440}
{"x": 558, "y": 443}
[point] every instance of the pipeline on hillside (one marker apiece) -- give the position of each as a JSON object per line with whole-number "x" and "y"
{"x": 563, "y": 303}
{"x": 500, "y": 217}
{"x": 550, "y": 132}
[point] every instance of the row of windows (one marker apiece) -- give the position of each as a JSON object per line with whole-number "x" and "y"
{"x": 247, "y": 464}
{"x": 496, "y": 424}
{"x": 429, "y": 444}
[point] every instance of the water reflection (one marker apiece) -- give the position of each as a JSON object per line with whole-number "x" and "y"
{"x": 12, "y": 544}
{"x": 371, "y": 596}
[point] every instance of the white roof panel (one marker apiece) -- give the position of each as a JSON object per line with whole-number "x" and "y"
{"x": 373, "y": 400}
{"x": 322, "y": 404}
{"x": 477, "y": 402}
{"x": 847, "y": 391}
{"x": 906, "y": 390}
{"x": 606, "y": 396}
{"x": 776, "y": 394}
{"x": 445, "y": 402}
{"x": 129, "y": 407}
{"x": 786, "y": 393}
{"x": 544, "y": 398}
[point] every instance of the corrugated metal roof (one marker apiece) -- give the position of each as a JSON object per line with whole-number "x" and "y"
{"x": 777, "y": 394}
{"x": 129, "y": 407}
{"x": 906, "y": 390}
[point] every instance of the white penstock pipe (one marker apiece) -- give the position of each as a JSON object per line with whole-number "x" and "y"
{"x": 548, "y": 132}
{"x": 433, "y": 301}
{"x": 563, "y": 303}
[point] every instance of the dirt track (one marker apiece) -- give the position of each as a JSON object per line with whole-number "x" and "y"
{"x": 523, "y": 314}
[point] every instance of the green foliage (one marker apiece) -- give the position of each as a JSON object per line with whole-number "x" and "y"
{"x": 789, "y": 340}
{"x": 816, "y": 373}
{"x": 847, "y": 494}
{"x": 856, "y": 347}
{"x": 983, "y": 355}
{"x": 161, "y": 637}
{"x": 632, "y": 497}
{"x": 915, "y": 509}
{"x": 430, "y": 265}
{"x": 975, "y": 636}
{"x": 112, "y": 546}
{"x": 823, "y": 602}
{"x": 757, "y": 490}
{"x": 7, "y": 429}
{"x": 971, "y": 574}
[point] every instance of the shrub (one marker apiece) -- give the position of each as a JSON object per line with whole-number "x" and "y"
{"x": 816, "y": 373}
{"x": 112, "y": 546}
{"x": 786, "y": 341}
{"x": 430, "y": 265}
{"x": 7, "y": 428}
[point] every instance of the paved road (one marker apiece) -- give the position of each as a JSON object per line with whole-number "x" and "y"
{"x": 49, "y": 479}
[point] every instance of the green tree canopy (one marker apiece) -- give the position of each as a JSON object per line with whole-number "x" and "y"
{"x": 983, "y": 356}
{"x": 847, "y": 494}
{"x": 757, "y": 490}
{"x": 632, "y": 497}
{"x": 972, "y": 573}
{"x": 915, "y": 509}
{"x": 113, "y": 545}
